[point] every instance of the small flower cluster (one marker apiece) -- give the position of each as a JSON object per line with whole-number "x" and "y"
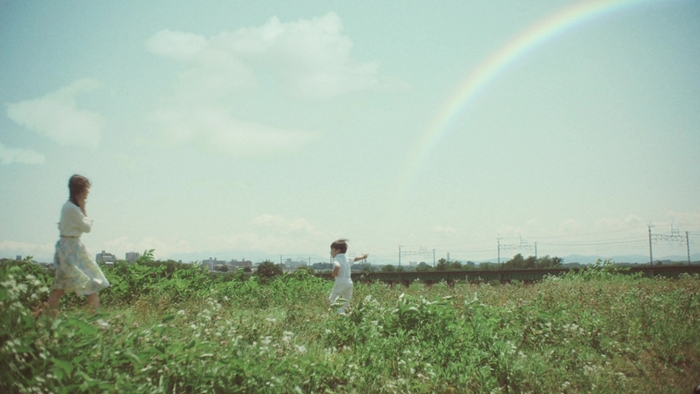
{"x": 268, "y": 346}
{"x": 412, "y": 365}
{"x": 20, "y": 289}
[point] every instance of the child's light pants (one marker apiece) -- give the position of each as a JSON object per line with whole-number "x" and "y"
{"x": 343, "y": 290}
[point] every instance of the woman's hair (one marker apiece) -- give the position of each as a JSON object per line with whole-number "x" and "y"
{"x": 340, "y": 245}
{"x": 77, "y": 185}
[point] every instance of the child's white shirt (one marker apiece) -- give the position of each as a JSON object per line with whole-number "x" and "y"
{"x": 344, "y": 265}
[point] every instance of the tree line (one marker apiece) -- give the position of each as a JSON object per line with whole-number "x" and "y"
{"x": 516, "y": 263}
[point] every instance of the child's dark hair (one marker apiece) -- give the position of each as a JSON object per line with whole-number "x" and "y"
{"x": 77, "y": 185}
{"x": 340, "y": 245}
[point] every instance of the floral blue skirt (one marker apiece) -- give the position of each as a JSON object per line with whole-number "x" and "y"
{"x": 75, "y": 270}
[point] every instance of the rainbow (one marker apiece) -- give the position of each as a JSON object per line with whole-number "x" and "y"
{"x": 476, "y": 81}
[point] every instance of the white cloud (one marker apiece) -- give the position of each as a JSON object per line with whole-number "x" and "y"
{"x": 681, "y": 221}
{"x": 39, "y": 251}
{"x": 631, "y": 223}
{"x": 569, "y": 226}
{"x": 9, "y": 156}
{"x": 215, "y": 130}
{"x": 178, "y": 46}
{"x": 447, "y": 230}
{"x": 306, "y": 58}
{"x": 215, "y": 73}
{"x": 56, "y": 116}
{"x": 275, "y": 234}
{"x": 269, "y": 221}
{"x": 280, "y": 224}
{"x": 310, "y": 58}
{"x": 168, "y": 247}
{"x": 265, "y": 233}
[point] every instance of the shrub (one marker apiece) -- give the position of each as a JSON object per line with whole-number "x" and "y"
{"x": 268, "y": 270}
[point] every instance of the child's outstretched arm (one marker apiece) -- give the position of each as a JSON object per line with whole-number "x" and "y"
{"x": 363, "y": 257}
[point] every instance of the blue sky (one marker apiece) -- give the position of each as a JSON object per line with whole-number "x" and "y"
{"x": 238, "y": 129}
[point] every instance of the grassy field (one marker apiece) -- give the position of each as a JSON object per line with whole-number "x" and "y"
{"x": 165, "y": 329}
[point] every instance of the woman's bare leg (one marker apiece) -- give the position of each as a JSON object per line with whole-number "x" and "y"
{"x": 54, "y": 299}
{"x": 93, "y": 301}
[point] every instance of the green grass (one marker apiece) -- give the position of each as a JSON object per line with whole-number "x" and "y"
{"x": 185, "y": 332}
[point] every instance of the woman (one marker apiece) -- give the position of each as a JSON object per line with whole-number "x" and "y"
{"x": 75, "y": 269}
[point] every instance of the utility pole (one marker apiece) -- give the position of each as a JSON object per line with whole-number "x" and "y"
{"x": 522, "y": 245}
{"x": 675, "y": 236}
{"x": 434, "y": 256}
{"x": 499, "y": 250}
{"x": 399, "y": 255}
{"x": 651, "y": 256}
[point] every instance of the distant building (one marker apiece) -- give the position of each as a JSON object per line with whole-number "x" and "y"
{"x": 132, "y": 256}
{"x": 321, "y": 266}
{"x": 294, "y": 264}
{"x": 211, "y": 263}
{"x": 241, "y": 264}
{"x": 107, "y": 258}
{"x": 19, "y": 257}
{"x": 214, "y": 264}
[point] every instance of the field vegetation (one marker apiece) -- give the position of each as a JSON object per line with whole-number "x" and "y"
{"x": 171, "y": 328}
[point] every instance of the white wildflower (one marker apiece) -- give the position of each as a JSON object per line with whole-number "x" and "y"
{"x": 287, "y": 336}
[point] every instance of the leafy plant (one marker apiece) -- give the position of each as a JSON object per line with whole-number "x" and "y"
{"x": 268, "y": 270}
{"x": 167, "y": 327}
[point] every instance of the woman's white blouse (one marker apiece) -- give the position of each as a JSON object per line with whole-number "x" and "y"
{"x": 73, "y": 223}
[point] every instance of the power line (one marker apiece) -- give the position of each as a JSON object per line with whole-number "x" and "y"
{"x": 674, "y": 237}
{"x": 523, "y": 245}
{"x": 471, "y": 250}
{"x": 584, "y": 235}
{"x": 596, "y": 243}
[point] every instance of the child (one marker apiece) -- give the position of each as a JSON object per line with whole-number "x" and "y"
{"x": 341, "y": 273}
{"x": 75, "y": 270}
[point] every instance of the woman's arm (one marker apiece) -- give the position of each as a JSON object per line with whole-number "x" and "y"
{"x": 82, "y": 222}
